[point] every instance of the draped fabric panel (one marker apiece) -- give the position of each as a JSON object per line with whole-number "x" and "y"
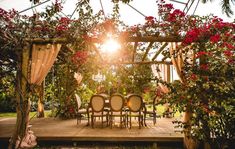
{"x": 160, "y": 71}
{"x": 43, "y": 57}
{"x": 177, "y": 60}
{"x": 178, "y": 55}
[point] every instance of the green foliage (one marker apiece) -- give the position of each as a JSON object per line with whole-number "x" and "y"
{"x": 7, "y": 100}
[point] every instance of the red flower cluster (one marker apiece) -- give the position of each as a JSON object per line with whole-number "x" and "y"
{"x": 149, "y": 20}
{"x": 193, "y": 77}
{"x": 58, "y": 6}
{"x": 204, "y": 66}
{"x": 215, "y": 38}
{"x": 164, "y": 8}
{"x": 201, "y": 53}
{"x": 228, "y": 45}
{"x": 63, "y": 24}
{"x": 7, "y": 16}
{"x": 228, "y": 53}
{"x": 191, "y": 36}
{"x": 176, "y": 15}
{"x": 80, "y": 57}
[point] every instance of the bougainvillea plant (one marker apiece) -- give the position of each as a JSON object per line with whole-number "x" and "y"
{"x": 208, "y": 87}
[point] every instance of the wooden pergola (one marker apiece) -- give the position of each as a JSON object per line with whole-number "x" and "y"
{"x": 28, "y": 59}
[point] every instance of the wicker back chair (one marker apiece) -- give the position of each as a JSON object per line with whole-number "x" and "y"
{"x": 80, "y": 112}
{"x": 152, "y": 112}
{"x": 117, "y": 103}
{"x": 97, "y": 104}
{"x": 135, "y": 107}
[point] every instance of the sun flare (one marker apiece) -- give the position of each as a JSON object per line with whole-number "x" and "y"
{"x": 110, "y": 46}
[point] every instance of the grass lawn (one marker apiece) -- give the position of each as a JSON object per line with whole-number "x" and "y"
{"x": 31, "y": 114}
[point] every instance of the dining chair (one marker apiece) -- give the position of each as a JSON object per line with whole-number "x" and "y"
{"x": 150, "y": 110}
{"x": 80, "y": 112}
{"x": 117, "y": 103}
{"x": 135, "y": 109}
{"x": 97, "y": 104}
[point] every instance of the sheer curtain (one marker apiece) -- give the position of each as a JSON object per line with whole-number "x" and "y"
{"x": 160, "y": 71}
{"x": 177, "y": 60}
{"x": 43, "y": 57}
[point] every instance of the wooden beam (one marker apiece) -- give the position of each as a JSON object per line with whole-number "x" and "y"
{"x": 140, "y": 63}
{"x": 147, "y": 50}
{"x": 154, "y": 39}
{"x": 168, "y": 74}
{"x": 96, "y": 50}
{"x": 144, "y": 39}
{"x": 164, "y": 58}
{"x": 159, "y": 51}
{"x": 98, "y": 40}
{"x": 134, "y": 51}
{"x": 45, "y": 41}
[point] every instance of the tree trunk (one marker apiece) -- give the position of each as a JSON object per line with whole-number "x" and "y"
{"x": 23, "y": 101}
{"x": 40, "y": 111}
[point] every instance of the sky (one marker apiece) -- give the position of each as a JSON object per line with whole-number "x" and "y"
{"x": 127, "y": 14}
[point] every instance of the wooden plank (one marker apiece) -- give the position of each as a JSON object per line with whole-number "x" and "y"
{"x": 159, "y": 51}
{"x": 134, "y": 51}
{"x": 47, "y": 129}
{"x": 147, "y": 50}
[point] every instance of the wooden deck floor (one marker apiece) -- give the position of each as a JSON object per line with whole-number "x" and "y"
{"x": 56, "y": 129}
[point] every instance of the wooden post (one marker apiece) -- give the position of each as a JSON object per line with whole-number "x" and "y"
{"x": 22, "y": 97}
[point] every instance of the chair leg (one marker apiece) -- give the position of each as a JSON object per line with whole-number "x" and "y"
{"x": 88, "y": 117}
{"x": 130, "y": 121}
{"x": 154, "y": 118}
{"x": 92, "y": 121}
{"x": 102, "y": 121}
{"x": 120, "y": 121}
{"x": 79, "y": 117}
{"x": 108, "y": 120}
{"x": 111, "y": 121}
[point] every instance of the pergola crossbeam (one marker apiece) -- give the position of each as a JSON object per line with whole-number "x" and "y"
{"x": 141, "y": 62}
{"x": 134, "y": 51}
{"x": 147, "y": 50}
{"x": 144, "y": 39}
{"x": 159, "y": 51}
{"x": 97, "y": 51}
{"x": 154, "y": 39}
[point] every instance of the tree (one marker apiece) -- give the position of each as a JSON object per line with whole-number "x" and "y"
{"x": 225, "y": 6}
